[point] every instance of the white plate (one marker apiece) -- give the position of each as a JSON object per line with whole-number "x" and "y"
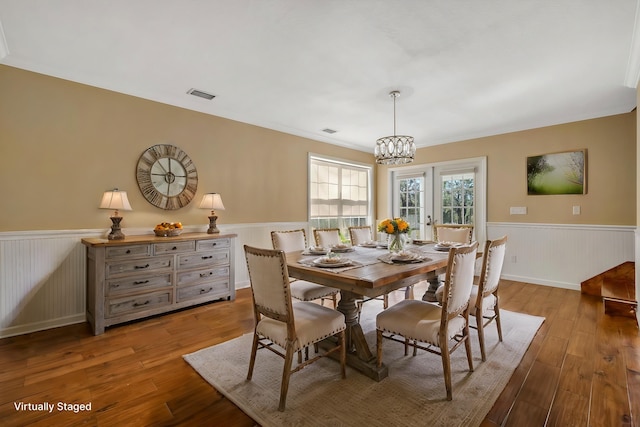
{"x": 406, "y": 258}
{"x": 314, "y": 252}
{"x": 368, "y": 245}
{"x": 320, "y": 262}
{"x": 445, "y": 247}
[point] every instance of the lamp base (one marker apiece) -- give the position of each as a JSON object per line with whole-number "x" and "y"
{"x": 213, "y": 228}
{"x": 116, "y": 232}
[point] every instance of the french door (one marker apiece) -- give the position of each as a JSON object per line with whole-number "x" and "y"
{"x": 444, "y": 193}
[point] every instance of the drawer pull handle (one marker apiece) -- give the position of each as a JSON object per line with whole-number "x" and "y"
{"x": 140, "y": 282}
{"x": 174, "y": 248}
{"x": 142, "y": 266}
{"x": 206, "y": 274}
{"x": 137, "y": 304}
{"x": 207, "y": 257}
{"x": 128, "y": 251}
{"x": 205, "y": 291}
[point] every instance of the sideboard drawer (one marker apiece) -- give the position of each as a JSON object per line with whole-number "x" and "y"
{"x": 207, "y": 245}
{"x": 210, "y": 289}
{"x": 132, "y": 304}
{"x": 129, "y": 284}
{"x": 174, "y": 247}
{"x": 201, "y": 276}
{"x": 128, "y": 251}
{"x": 138, "y": 266}
{"x": 203, "y": 259}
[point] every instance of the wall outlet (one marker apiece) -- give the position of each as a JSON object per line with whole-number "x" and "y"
{"x": 514, "y": 259}
{"x": 576, "y": 210}
{"x": 518, "y": 210}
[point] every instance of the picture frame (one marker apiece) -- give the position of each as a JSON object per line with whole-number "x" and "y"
{"x": 557, "y": 173}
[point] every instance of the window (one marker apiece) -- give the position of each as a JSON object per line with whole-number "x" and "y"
{"x": 339, "y": 194}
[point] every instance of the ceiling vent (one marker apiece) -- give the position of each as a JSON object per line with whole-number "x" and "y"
{"x": 201, "y": 94}
{"x": 327, "y": 130}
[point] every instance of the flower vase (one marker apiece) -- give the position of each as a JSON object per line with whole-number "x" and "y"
{"x": 396, "y": 242}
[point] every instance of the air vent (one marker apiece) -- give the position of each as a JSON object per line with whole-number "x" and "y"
{"x": 201, "y": 94}
{"x": 327, "y": 130}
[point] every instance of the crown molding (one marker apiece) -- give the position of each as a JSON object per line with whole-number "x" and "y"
{"x": 633, "y": 66}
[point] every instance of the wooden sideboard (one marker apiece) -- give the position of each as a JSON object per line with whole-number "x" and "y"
{"x": 142, "y": 276}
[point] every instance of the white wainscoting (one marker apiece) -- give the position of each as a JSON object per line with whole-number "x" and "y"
{"x": 42, "y": 273}
{"x": 562, "y": 255}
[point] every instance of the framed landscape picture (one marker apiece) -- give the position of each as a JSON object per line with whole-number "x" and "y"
{"x": 557, "y": 173}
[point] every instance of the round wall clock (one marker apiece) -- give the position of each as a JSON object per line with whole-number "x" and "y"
{"x": 167, "y": 176}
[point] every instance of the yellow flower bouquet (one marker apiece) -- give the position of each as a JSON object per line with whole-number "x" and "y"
{"x": 395, "y": 228}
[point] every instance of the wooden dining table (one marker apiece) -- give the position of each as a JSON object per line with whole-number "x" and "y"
{"x": 371, "y": 273}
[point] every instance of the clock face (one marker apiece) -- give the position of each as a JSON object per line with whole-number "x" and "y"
{"x": 167, "y": 177}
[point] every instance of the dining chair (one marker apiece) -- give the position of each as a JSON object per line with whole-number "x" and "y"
{"x": 296, "y": 240}
{"x": 292, "y": 327}
{"x": 484, "y": 297}
{"x": 360, "y": 234}
{"x": 327, "y": 237}
{"x": 436, "y": 326}
{"x": 483, "y": 302}
{"x": 457, "y": 233}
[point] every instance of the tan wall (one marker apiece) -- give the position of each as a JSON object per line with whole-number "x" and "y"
{"x": 611, "y": 171}
{"x": 62, "y": 144}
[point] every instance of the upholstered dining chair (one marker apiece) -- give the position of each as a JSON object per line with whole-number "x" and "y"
{"x": 360, "y": 234}
{"x": 327, "y": 237}
{"x": 436, "y": 326}
{"x": 484, "y": 296}
{"x": 483, "y": 302}
{"x": 457, "y": 233}
{"x": 292, "y": 327}
{"x": 296, "y": 240}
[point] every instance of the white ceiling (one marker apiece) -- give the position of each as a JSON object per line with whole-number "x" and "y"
{"x": 465, "y": 68}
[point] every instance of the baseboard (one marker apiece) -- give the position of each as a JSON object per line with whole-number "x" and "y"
{"x": 536, "y": 281}
{"x": 41, "y": 326}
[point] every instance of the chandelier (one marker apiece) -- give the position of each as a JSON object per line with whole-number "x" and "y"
{"x": 396, "y": 149}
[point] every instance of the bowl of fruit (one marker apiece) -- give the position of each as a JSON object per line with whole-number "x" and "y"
{"x": 168, "y": 229}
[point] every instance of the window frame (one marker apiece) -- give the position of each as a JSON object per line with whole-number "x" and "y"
{"x": 368, "y": 168}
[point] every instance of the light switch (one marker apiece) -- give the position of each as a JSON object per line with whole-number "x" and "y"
{"x": 518, "y": 210}
{"x": 576, "y": 210}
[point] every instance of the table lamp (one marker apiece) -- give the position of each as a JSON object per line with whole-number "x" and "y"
{"x": 117, "y": 200}
{"x": 212, "y": 201}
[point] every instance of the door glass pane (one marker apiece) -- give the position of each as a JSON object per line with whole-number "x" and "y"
{"x": 458, "y": 198}
{"x": 411, "y": 203}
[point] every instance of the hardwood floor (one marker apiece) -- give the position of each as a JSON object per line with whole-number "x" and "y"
{"x": 582, "y": 369}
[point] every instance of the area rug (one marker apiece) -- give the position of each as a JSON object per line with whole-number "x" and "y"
{"x": 412, "y": 395}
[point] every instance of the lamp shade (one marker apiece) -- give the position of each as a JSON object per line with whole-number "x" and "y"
{"x": 212, "y": 201}
{"x": 115, "y": 199}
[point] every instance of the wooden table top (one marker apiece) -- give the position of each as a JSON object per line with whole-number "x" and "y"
{"x": 370, "y": 277}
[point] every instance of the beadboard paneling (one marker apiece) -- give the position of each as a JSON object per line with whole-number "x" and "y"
{"x": 562, "y": 255}
{"x": 42, "y": 273}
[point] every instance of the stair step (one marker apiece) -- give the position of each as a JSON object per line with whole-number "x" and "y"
{"x": 616, "y": 307}
{"x": 617, "y": 287}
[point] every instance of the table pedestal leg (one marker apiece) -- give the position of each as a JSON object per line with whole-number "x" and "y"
{"x": 359, "y": 355}
{"x": 434, "y": 283}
